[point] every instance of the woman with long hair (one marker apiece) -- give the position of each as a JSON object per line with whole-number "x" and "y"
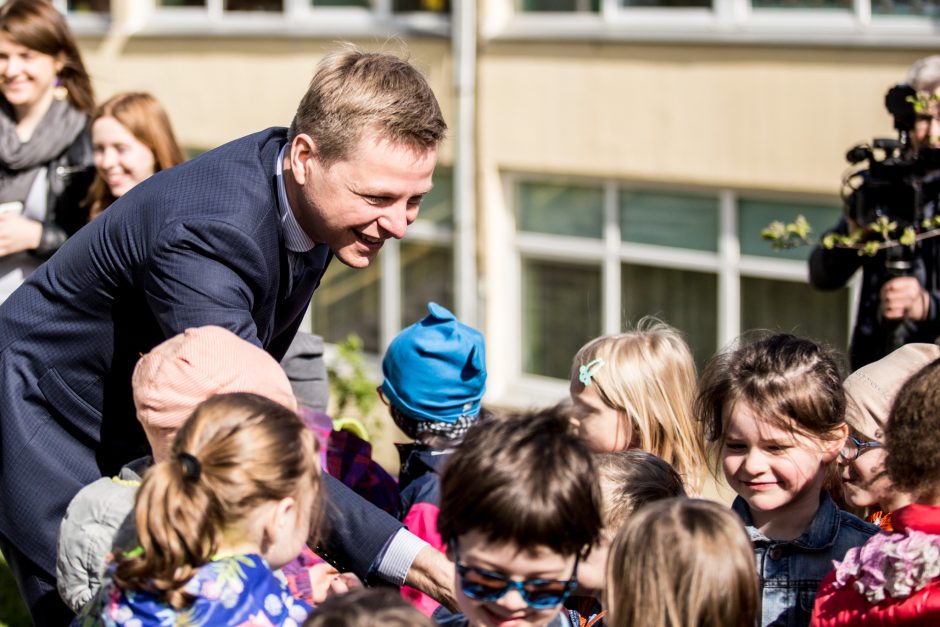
{"x": 132, "y": 140}
{"x": 45, "y": 153}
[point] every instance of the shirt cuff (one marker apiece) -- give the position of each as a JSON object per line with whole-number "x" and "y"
{"x": 398, "y": 555}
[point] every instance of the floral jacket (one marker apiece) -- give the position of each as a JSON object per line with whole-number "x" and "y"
{"x": 894, "y": 579}
{"x": 240, "y": 591}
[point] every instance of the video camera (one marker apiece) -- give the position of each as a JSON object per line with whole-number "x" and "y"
{"x": 897, "y": 181}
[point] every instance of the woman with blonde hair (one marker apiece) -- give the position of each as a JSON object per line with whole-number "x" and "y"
{"x": 635, "y": 390}
{"x": 682, "y": 563}
{"x": 132, "y": 140}
{"x": 236, "y": 497}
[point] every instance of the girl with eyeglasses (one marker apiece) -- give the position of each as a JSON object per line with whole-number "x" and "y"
{"x": 773, "y": 407}
{"x": 869, "y": 393}
{"x": 520, "y": 507}
{"x": 894, "y": 579}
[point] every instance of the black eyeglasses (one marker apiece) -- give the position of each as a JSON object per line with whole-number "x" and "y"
{"x": 854, "y": 447}
{"x": 541, "y": 594}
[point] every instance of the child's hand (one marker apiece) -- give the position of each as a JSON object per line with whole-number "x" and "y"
{"x": 326, "y": 581}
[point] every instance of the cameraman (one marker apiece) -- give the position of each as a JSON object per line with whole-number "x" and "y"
{"x": 888, "y": 300}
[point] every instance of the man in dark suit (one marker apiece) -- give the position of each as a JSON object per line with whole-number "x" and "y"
{"x": 239, "y": 238}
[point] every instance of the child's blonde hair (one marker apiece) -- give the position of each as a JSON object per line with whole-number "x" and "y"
{"x": 648, "y": 375}
{"x": 682, "y": 563}
{"x": 236, "y": 453}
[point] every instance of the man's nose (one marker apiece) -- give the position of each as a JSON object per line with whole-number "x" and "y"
{"x": 395, "y": 221}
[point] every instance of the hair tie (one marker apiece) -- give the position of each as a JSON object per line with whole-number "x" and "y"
{"x": 587, "y": 371}
{"x": 192, "y": 469}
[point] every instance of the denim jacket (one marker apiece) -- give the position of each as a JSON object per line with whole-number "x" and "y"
{"x": 790, "y": 571}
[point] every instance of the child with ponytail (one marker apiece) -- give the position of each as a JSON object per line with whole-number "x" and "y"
{"x": 234, "y": 499}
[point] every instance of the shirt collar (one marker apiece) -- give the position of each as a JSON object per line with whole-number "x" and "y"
{"x": 295, "y": 239}
{"x": 820, "y": 534}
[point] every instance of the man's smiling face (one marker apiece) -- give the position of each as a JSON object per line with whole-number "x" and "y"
{"x": 353, "y": 205}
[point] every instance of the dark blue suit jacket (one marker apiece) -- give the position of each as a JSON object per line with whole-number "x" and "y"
{"x": 198, "y": 244}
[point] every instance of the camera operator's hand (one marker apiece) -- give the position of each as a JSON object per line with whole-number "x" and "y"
{"x": 904, "y": 298}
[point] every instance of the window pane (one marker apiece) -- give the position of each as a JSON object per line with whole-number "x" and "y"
{"x": 182, "y": 3}
{"x": 682, "y": 221}
{"x": 254, "y": 5}
{"x": 905, "y": 7}
{"x": 438, "y": 206}
{"x": 801, "y": 4}
{"x": 668, "y": 3}
{"x": 88, "y": 6}
{"x": 561, "y": 209}
{"x": 427, "y": 275}
{"x": 795, "y": 308}
{"x": 341, "y": 3}
{"x": 686, "y": 300}
{"x": 432, "y": 6}
{"x": 548, "y": 6}
{"x": 561, "y": 311}
{"x": 755, "y": 215}
{"x": 347, "y": 301}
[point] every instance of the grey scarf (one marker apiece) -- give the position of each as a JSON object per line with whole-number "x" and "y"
{"x": 20, "y": 161}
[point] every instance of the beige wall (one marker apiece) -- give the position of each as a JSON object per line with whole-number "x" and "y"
{"x": 219, "y": 88}
{"x": 745, "y": 117}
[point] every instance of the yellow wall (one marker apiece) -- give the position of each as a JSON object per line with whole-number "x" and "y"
{"x": 219, "y": 88}
{"x": 740, "y": 116}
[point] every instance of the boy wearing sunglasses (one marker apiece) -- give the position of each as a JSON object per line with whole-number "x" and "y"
{"x": 519, "y": 508}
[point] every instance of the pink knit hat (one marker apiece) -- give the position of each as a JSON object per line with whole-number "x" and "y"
{"x": 185, "y": 370}
{"x": 871, "y": 389}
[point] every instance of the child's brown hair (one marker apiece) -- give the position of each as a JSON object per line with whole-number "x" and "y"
{"x": 373, "y": 607}
{"x": 788, "y": 378}
{"x": 522, "y": 479}
{"x": 236, "y": 453}
{"x": 631, "y": 479}
{"x": 913, "y": 453}
{"x": 682, "y": 563}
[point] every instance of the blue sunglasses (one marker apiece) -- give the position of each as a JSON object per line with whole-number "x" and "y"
{"x": 541, "y": 594}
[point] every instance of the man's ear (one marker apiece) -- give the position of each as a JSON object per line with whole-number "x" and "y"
{"x": 832, "y": 447}
{"x": 303, "y": 151}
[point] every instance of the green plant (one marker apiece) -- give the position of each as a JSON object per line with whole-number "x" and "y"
{"x": 350, "y": 383}
{"x": 867, "y": 240}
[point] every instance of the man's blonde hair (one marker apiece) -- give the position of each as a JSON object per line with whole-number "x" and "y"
{"x": 649, "y": 377}
{"x": 353, "y": 91}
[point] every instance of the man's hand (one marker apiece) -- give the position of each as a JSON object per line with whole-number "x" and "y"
{"x": 18, "y": 233}
{"x": 904, "y": 298}
{"x": 433, "y": 574}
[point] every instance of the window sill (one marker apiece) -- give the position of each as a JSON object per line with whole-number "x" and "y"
{"x": 766, "y": 27}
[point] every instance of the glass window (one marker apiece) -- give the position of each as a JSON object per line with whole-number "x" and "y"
{"x": 795, "y": 308}
{"x": 802, "y": 4}
{"x": 755, "y": 215}
{"x": 341, "y": 3}
{"x": 686, "y": 300}
{"x": 561, "y": 311}
{"x": 253, "y": 5}
{"x": 561, "y": 209}
{"x": 88, "y": 6}
{"x": 668, "y": 3}
{"x": 182, "y": 3}
{"x": 906, "y": 7}
{"x": 432, "y": 6}
{"x": 557, "y": 6}
{"x": 438, "y": 205}
{"x": 427, "y": 275}
{"x": 347, "y": 301}
{"x": 682, "y": 221}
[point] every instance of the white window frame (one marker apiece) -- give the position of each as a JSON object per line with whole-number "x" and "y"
{"x": 727, "y": 264}
{"x": 729, "y": 21}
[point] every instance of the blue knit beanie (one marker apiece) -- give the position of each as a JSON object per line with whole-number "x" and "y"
{"x": 435, "y": 369}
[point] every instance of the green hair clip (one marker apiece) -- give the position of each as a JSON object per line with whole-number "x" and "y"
{"x": 587, "y": 371}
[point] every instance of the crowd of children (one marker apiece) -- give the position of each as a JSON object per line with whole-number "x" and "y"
{"x": 586, "y": 513}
